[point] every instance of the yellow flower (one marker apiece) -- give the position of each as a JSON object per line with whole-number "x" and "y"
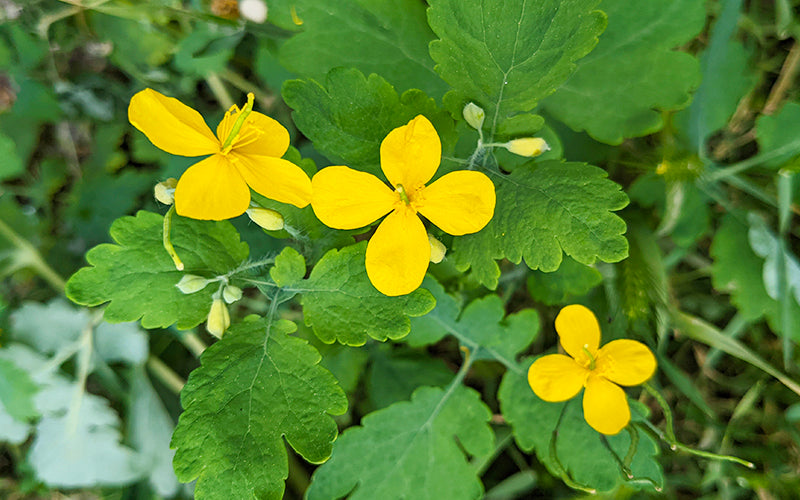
{"x": 398, "y": 253}
{"x": 625, "y": 362}
{"x": 245, "y": 152}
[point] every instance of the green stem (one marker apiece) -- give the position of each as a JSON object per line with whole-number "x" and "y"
{"x": 218, "y": 89}
{"x": 667, "y": 413}
{"x": 29, "y": 256}
{"x": 165, "y": 374}
{"x": 193, "y": 343}
{"x": 167, "y": 242}
{"x": 634, "y": 435}
{"x": 238, "y": 81}
{"x": 560, "y": 471}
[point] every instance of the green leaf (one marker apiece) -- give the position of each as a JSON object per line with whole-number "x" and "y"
{"x": 579, "y": 449}
{"x": 409, "y": 450}
{"x": 619, "y": 88}
{"x": 11, "y": 165}
{"x": 394, "y": 375}
{"x": 137, "y": 277}
{"x": 387, "y": 37}
{"x": 544, "y": 210}
{"x": 777, "y": 137}
{"x": 17, "y": 391}
{"x": 206, "y": 50}
{"x": 255, "y": 386}
{"x": 482, "y": 327}
{"x": 506, "y": 56}
{"x": 348, "y": 118}
{"x": 572, "y": 279}
{"x": 341, "y": 304}
{"x": 289, "y": 268}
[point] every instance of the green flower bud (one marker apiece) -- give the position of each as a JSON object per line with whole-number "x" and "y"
{"x": 474, "y": 115}
{"x": 231, "y": 294}
{"x": 266, "y": 218}
{"x": 165, "y": 191}
{"x": 437, "y": 249}
{"x": 218, "y": 318}
{"x": 527, "y": 146}
{"x": 191, "y": 283}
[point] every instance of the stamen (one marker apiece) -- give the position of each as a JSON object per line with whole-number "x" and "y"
{"x": 589, "y": 354}
{"x": 237, "y": 126}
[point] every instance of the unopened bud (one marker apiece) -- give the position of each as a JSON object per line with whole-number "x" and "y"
{"x": 165, "y": 191}
{"x": 527, "y": 146}
{"x": 231, "y": 294}
{"x": 191, "y": 283}
{"x": 474, "y": 115}
{"x": 253, "y": 10}
{"x": 218, "y": 318}
{"x": 266, "y": 218}
{"x": 437, "y": 249}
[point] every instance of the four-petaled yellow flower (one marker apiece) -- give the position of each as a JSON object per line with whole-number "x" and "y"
{"x": 245, "y": 152}
{"x": 460, "y": 202}
{"x": 556, "y": 377}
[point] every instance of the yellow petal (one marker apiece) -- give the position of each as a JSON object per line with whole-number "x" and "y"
{"x": 577, "y": 329}
{"x": 211, "y": 190}
{"x": 275, "y": 178}
{"x": 605, "y": 406}
{"x": 171, "y": 125}
{"x": 458, "y": 203}
{"x": 398, "y": 253}
{"x": 344, "y": 198}
{"x": 556, "y": 377}
{"x": 411, "y": 154}
{"x": 260, "y": 135}
{"x": 626, "y": 362}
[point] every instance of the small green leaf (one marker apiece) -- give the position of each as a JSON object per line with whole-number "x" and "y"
{"x": 255, "y": 386}
{"x": 409, "y": 450}
{"x": 348, "y": 118}
{"x": 633, "y": 72}
{"x": 506, "y": 56}
{"x": 290, "y": 267}
{"x": 387, "y": 37}
{"x": 11, "y": 165}
{"x": 572, "y": 279}
{"x": 579, "y": 448}
{"x": 137, "y": 277}
{"x": 543, "y": 211}
{"x": 341, "y": 304}
{"x": 17, "y": 391}
{"x": 777, "y": 135}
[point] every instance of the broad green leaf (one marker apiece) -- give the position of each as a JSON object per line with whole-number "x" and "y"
{"x": 413, "y": 449}
{"x": 506, "y": 56}
{"x": 579, "y": 449}
{"x": 619, "y": 88}
{"x": 137, "y": 277}
{"x": 572, "y": 279}
{"x": 341, "y": 304}
{"x": 543, "y": 211}
{"x": 387, "y": 37}
{"x": 206, "y": 50}
{"x": 777, "y": 135}
{"x": 254, "y": 387}
{"x": 482, "y": 327}
{"x": 395, "y": 374}
{"x": 17, "y": 391}
{"x": 348, "y": 117}
{"x": 289, "y": 268}
{"x": 11, "y": 164}
{"x": 726, "y": 78}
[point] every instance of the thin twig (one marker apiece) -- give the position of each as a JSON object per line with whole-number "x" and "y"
{"x": 784, "y": 81}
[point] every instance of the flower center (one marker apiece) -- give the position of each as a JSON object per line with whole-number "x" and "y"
{"x": 403, "y": 195}
{"x": 237, "y": 125}
{"x": 589, "y": 355}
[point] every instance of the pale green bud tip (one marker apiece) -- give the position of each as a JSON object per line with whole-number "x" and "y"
{"x": 437, "y": 249}
{"x": 191, "y": 283}
{"x": 527, "y": 146}
{"x": 474, "y": 115}
{"x": 266, "y": 218}
{"x": 165, "y": 191}
{"x": 218, "y": 318}
{"x": 231, "y": 294}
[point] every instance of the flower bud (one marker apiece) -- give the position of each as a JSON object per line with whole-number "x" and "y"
{"x": 266, "y": 218}
{"x": 218, "y": 318}
{"x": 253, "y": 10}
{"x": 165, "y": 191}
{"x": 474, "y": 115}
{"x": 437, "y": 249}
{"x": 527, "y": 146}
{"x": 231, "y": 294}
{"x": 191, "y": 283}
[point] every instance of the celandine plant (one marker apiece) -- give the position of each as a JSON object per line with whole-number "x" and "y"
{"x": 436, "y": 197}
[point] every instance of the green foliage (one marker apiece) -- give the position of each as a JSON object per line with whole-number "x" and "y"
{"x": 16, "y": 392}
{"x": 633, "y": 72}
{"x": 11, "y": 165}
{"x": 776, "y": 137}
{"x": 543, "y": 211}
{"x": 571, "y": 280}
{"x": 414, "y": 439}
{"x": 508, "y": 56}
{"x": 254, "y": 387}
{"x": 137, "y": 277}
